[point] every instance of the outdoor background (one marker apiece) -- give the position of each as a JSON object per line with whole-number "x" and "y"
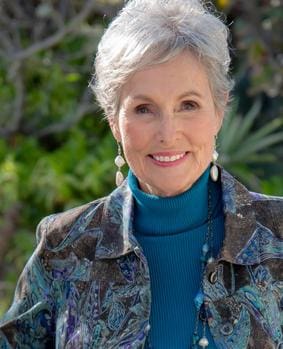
{"x": 55, "y": 150}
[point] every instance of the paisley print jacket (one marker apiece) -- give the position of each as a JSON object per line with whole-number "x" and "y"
{"x": 87, "y": 284}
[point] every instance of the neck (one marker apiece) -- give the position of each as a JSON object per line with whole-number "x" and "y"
{"x": 155, "y": 215}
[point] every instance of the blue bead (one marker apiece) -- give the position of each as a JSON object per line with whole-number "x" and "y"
{"x": 195, "y": 339}
{"x": 199, "y": 298}
{"x": 205, "y": 248}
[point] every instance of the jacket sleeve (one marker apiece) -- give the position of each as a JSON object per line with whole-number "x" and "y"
{"x": 29, "y": 321}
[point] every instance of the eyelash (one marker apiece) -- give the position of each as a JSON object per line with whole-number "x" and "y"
{"x": 141, "y": 107}
{"x": 192, "y": 104}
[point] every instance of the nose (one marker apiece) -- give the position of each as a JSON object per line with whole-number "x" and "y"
{"x": 169, "y": 129}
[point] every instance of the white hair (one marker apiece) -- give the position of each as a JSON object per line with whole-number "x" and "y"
{"x": 148, "y": 32}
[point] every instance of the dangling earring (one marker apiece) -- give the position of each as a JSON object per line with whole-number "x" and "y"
{"x": 214, "y": 172}
{"x": 119, "y": 162}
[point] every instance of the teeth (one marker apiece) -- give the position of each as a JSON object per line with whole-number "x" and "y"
{"x": 168, "y": 158}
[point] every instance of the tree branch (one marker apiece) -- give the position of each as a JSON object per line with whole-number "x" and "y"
{"x": 85, "y": 106}
{"x": 57, "y": 37}
{"x": 253, "y": 17}
{"x": 5, "y": 42}
{"x": 15, "y": 76}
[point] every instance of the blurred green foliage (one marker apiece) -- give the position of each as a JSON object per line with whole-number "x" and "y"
{"x": 55, "y": 150}
{"x": 243, "y": 146}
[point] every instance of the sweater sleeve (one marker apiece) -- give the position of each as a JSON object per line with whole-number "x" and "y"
{"x": 29, "y": 323}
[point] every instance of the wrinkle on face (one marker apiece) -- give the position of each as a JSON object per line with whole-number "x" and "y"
{"x": 168, "y": 108}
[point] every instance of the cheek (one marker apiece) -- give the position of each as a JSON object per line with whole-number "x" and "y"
{"x": 202, "y": 134}
{"x": 133, "y": 137}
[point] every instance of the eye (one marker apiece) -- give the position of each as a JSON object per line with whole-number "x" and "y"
{"x": 189, "y": 105}
{"x": 142, "y": 109}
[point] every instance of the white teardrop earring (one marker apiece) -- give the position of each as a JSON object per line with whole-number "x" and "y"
{"x": 119, "y": 162}
{"x": 214, "y": 172}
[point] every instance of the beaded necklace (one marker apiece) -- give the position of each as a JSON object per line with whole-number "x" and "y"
{"x": 200, "y": 302}
{"x": 202, "y": 316}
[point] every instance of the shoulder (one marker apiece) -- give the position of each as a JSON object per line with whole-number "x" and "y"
{"x": 267, "y": 202}
{"x": 265, "y": 210}
{"x": 259, "y": 197}
{"x": 54, "y": 230}
{"x": 88, "y": 230}
{"x": 269, "y": 211}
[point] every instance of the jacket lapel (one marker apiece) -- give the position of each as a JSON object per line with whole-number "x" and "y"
{"x": 117, "y": 224}
{"x": 240, "y": 221}
{"x": 243, "y": 233}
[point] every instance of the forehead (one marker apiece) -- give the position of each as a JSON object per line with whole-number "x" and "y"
{"x": 185, "y": 72}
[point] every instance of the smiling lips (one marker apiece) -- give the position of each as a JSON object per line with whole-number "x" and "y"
{"x": 167, "y": 159}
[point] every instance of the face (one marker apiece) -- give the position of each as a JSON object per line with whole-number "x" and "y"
{"x": 167, "y": 123}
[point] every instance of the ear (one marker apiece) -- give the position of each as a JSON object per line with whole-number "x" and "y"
{"x": 220, "y": 113}
{"x": 114, "y": 126}
{"x": 219, "y": 121}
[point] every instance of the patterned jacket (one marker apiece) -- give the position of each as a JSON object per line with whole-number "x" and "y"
{"x": 87, "y": 284}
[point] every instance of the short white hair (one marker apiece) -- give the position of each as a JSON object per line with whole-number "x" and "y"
{"x": 148, "y": 32}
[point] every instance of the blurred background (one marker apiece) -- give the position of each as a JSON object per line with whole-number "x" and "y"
{"x": 56, "y": 152}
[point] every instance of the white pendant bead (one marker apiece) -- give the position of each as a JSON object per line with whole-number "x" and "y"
{"x": 203, "y": 342}
{"x": 215, "y": 156}
{"x": 119, "y": 178}
{"x": 214, "y": 173}
{"x": 210, "y": 260}
{"x": 119, "y": 161}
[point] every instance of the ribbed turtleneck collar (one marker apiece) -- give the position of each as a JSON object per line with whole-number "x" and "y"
{"x": 155, "y": 215}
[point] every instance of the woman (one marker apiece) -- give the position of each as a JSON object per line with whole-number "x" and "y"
{"x": 180, "y": 255}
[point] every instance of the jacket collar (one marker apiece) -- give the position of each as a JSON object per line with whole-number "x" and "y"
{"x": 116, "y": 228}
{"x": 116, "y": 232}
{"x": 239, "y": 219}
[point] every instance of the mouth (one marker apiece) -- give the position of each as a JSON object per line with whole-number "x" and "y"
{"x": 167, "y": 159}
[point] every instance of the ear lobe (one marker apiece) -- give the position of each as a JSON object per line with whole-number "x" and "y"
{"x": 114, "y": 126}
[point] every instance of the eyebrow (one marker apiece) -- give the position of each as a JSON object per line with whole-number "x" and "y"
{"x": 190, "y": 93}
{"x": 185, "y": 94}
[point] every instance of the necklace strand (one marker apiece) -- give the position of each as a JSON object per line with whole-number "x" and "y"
{"x": 200, "y": 302}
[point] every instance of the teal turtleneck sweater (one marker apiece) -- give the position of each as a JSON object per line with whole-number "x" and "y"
{"x": 171, "y": 232}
